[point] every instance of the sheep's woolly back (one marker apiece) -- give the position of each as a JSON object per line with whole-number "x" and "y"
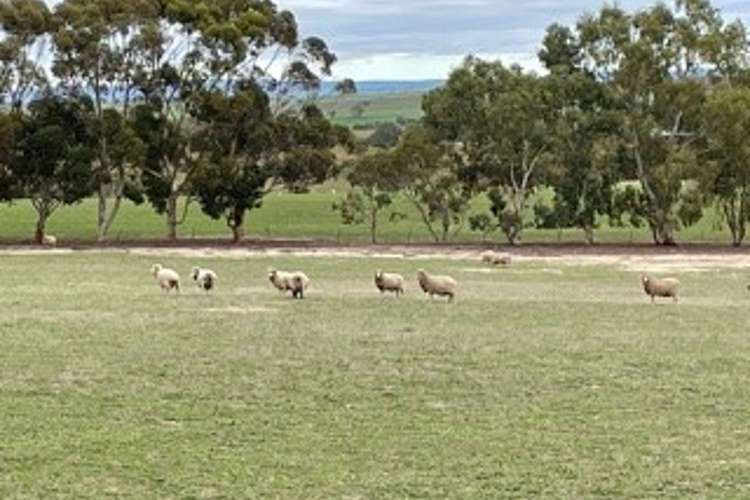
{"x": 167, "y": 279}
{"x": 389, "y": 282}
{"x": 496, "y": 258}
{"x": 204, "y": 278}
{"x": 295, "y": 281}
{"x": 661, "y": 287}
{"x": 437, "y": 285}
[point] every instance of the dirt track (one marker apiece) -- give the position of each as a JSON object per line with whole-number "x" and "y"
{"x": 687, "y": 258}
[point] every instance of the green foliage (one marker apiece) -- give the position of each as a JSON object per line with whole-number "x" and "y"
{"x": 658, "y": 61}
{"x": 52, "y": 158}
{"x": 23, "y": 75}
{"x": 386, "y": 135}
{"x": 498, "y": 118}
{"x": 429, "y": 177}
{"x": 373, "y": 188}
{"x": 726, "y": 172}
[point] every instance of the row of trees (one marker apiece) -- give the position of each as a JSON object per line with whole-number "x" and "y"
{"x": 659, "y": 97}
{"x": 171, "y": 102}
{"x": 164, "y": 101}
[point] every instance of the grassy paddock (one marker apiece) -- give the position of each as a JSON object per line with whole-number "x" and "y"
{"x": 307, "y": 216}
{"x": 543, "y": 380}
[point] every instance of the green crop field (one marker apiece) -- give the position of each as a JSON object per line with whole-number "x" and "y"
{"x": 308, "y": 216}
{"x": 374, "y": 108}
{"x": 544, "y": 380}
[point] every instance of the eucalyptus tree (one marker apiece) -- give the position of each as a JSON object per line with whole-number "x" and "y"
{"x": 52, "y": 156}
{"x": 428, "y": 176}
{"x": 658, "y": 62}
{"x": 498, "y": 121}
{"x": 190, "y": 48}
{"x": 582, "y": 170}
{"x": 374, "y": 187}
{"x": 252, "y": 152}
{"x": 95, "y": 42}
{"x": 25, "y": 26}
{"x": 725, "y": 172}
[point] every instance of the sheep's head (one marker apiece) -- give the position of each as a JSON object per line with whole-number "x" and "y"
{"x": 645, "y": 279}
{"x": 195, "y": 272}
{"x": 272, "y": 275}
{"x": 421, "y": 274}
{"x": 379, "y": 274}
{"x": 155, "y": 269}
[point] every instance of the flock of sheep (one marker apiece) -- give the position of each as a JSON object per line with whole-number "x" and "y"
{"x": 297, "y": 282}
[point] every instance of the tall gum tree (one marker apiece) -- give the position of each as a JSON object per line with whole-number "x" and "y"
{"x": 583, "y": 119}
{"x": 52, "y": 156}
{"x": 726, "y": 172}
{"x": 25, "y": 27}
{"x": 95, "y": 43}
{"x": 191, "y": 48}
{"x": 658, "y": 62}
{"x": 498, "y": 121}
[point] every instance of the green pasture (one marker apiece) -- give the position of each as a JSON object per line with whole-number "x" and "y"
{"x": 306, "y": 217}
{"x": 540, "y": 381}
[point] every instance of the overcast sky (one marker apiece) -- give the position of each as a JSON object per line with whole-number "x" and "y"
{"x": 424, "y": 39}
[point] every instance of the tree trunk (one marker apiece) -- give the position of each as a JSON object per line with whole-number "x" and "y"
{"x": 663, "y": 233}
{"x": 588, "y": 232}
{"x": 172, "y": 218}
{"x": 236, "y": 222}
{"x": 106, "y": 215}
{"x": 238, "y": 233}
{"x": 735, "y": 217}
{"x": 373, "y": 221}
{"x": 41, "y": 226}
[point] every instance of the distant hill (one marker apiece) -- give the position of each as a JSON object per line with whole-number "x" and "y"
{"x": 376, "y": 87}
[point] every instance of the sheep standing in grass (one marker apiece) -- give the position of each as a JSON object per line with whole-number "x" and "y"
{"x": 295, "y": 282}
{"x": 495, "y": 258}
{"x": 389, "y": 282}
{"x": 49, "y": 240}
{"x": 442, "y": 286}
{"x": 664, "y": 287}
{"x": 204, "y": 278}
{"x": 168, "y": 279}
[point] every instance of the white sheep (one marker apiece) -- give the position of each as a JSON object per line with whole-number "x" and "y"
{"x": 443, "y": 286}
{"x": 204, "y": 278}
{"x": 663, "y": 287}
{"x": 389, "y": 282}
{"x": 295, "y": 282}
{"x": 496, "y": 258}
{"x": 168, "y": 279}
{"x": 49, "y": 240}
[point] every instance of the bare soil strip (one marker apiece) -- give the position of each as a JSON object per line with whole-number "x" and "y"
{"x": 630, "y": 258}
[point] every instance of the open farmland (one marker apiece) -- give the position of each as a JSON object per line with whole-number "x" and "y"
{"x": 553, "y": 378}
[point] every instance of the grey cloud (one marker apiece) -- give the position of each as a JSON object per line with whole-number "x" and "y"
{"x": 358, "y": 29}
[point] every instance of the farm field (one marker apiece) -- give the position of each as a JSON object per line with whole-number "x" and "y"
{"x": 374, "y": 108}
{"x": 553, "y": 378}
{"x": 307, "y": 217}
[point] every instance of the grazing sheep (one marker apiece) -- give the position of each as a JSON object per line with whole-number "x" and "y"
{"x": 49, "y": 240}
{"x": 204, "y": 278}
{"x": 168, "y": 279}
{"x": 496, "y": 258}
{"x": 389, "y": 282}
{"x": 443, "y": 286}
{"x": 663, "y": 287}
{"x": 295, "y": 282}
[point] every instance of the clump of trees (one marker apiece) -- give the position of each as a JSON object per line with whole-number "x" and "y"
{"x": 639, "y": 118}
{"x": 165, "y": 102}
